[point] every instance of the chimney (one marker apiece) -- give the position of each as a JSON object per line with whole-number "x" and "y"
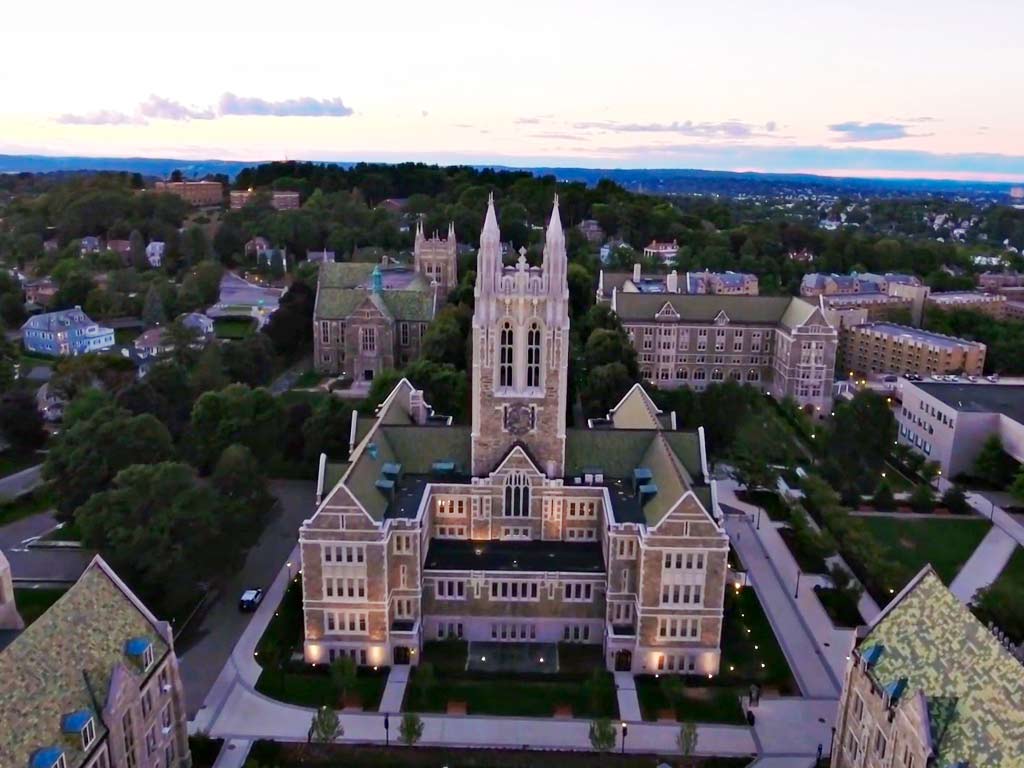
{"x": 636, "y": 273}
{"x": 672, "y": 282}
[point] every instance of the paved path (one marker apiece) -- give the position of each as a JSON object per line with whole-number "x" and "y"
{"x": 985, "y": 565}
{"x": 20, "y": 482}
{"x": 625, "y": 692}
{"x": 394, "y": 690}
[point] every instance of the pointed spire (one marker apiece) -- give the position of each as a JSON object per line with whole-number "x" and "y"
{"x": 490, "y": 222}
{"x": 555, "y": 225}
{"x": 488, "y": 260}
{"x": 554, "y": 249}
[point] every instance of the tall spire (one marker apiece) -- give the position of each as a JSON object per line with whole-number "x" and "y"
{"x": 488, "y": 260}
{"x": 555, "y": 257}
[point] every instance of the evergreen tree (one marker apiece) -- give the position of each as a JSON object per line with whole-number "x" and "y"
{"x": 153, "y": 313}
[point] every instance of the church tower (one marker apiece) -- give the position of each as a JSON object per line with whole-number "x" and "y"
{"x": 436, "y": 258}
{"x": 520, "y": 351}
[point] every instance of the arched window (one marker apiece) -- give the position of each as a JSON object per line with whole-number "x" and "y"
{"x": 716, "y": 375}
{"x": 505, "y": 355}
{"x": 517, "y": 495}
{"x": 533, "y": 355}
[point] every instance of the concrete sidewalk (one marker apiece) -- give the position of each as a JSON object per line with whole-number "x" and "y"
{"x": 984, "y": 566}
{"x": 625, "y": 692}
{"x": 394, "y": 689}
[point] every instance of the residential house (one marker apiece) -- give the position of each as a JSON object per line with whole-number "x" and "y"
{"x": 153, "y": 343}
{"x": 198, "y": 322}
{"x": 256, "y": 247}
{"x": 40, "y": 292}
{"x": 155, "y": 253}
{"x": 664, "y": 252}
{"x": 51, "y": 245}
{"x": 928, "y": 684}
{"x": 122, "y": 248}
{"x": 50, "y": 403}
{"x": 591, "y": 230}
{"x": 66, "y": 332}
{"x": 90, "y": 244}
{"x": 320, "y": 257}
{"x": 517, "y": 530}
{"x": 93, "y": 683}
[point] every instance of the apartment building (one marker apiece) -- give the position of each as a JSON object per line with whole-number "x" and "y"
{"x": 196, "y": 193}
{"x": 93, "y": 683}
{"x": 993, "y": 304}
{"x": 280, "y": 200}
{"x": 996, "y": 281}
{"x": 516, "y": 529}
{"x": 890, "y": 348}
{"x": 950, "y": 422}
{"x": 929, "y": 685}
{"x": 822, "y": 284}
{"x": 637, "y": 281}
{"x": 783, "y": 346}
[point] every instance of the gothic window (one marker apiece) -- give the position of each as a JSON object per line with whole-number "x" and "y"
{"x": 533, "y": 355}
{"x": 505, "y": 348}
{"x": 517, "y": 495}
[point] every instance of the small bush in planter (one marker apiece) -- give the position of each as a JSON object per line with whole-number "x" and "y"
{"x": 955, "y": 500}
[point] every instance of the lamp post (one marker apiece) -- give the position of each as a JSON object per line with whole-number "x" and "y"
{"x": 386, "y": 733}
{"x": 625, "y": 730}
{"x": 758, "y": 526}
{"x": 796, "y": 594}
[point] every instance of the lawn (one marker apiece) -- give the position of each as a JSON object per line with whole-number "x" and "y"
{"x": 294, "y": 396}
{"x": 352, "y": 756}
{"x": 32, "y": 603}
{"x": 750, "y": 654}
{"x": 234, "y": 327}
{"x": 772, "y": 503}
{"x": 839, "y": 607}
{"x": 31, "y": 503}
{"x": 30, "y": 360}
{"x": 809, "y": 562}
{"x": 898, "y": 482}
{"x": 15, "y": 461}
{"x": 583, "y": 685}
{"x": 309, "y": 379}
{"x": 945, "y": 543}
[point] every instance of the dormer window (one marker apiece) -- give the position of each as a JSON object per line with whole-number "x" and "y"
{"x": 140, "y": 650}
{"x": 147, "y": 657}
{"x": 49, "y": 757}
{"x": 80, "y": 724}
{"x": 88, "y": 734}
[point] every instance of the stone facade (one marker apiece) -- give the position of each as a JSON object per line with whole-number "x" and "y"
{"x": 505, "y": 531}
{"x": 436, "y": 258}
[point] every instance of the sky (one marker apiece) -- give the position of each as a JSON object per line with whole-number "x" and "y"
{"x": 909, "y": 88}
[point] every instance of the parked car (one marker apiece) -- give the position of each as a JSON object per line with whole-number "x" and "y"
{"x": 250, "y": 600}
{"x": 993, "y": 378}
{"x": 890, "y": 378}
{"x": 972, "y": 377}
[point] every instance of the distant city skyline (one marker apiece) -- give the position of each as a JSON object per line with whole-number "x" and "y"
{"x": 910, "y": 89}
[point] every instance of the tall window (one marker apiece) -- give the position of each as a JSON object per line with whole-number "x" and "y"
{"x": 517, "y": 495}
{"x": 533, "y": 356}
{"x": 369, "y": 339}
{"x": 129, "y": 740}
{"x": 505, "y": 355}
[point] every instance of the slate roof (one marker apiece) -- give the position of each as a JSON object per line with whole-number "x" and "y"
{"x": 343, "y": 287}
{"x": 751, "y": 310}
{"x": 64, "y": 319}
{"x": 64, "y": 662}
{"x": 973, "y": 687}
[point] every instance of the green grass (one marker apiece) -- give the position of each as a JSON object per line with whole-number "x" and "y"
{"x": 898, "y": 482}
{"x": 809, "y": 562}
{"x": 523, "y": 695}
{"x": 309, "y": 379}
{"x": 30, "y": 360}
{"x": 32, "y": 603}
{"x": 294, "y": 396}
{"x": 31, "y": 503}
{"x": 772, "y": 503}
{"x": 747, "y": 643}
{"x": 233, "y": 327}
{"x": 839, "y": 607}
{"x": 15, "y": 461}
{"x": 945, "y": 543}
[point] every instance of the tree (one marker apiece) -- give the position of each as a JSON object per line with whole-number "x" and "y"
{"x": 883, "y": 498}
{"x": 20, "y": 421}
{"x": 325, "y": 728}
{"x": 208, "y": 375}
{"x": 581, "y": 289}
{"x": 1001, "y": 605}
{"x": 922, "y": 499}
{"x": 236, "y": 414}
{"x": 277, "y": 264}
{"x": 343, "y": 676}
{"x": 88, "y": 454}
{"x": 382, "y": 385}
{"x": 138, "y": 251}
{"x": 410, "y": 730}
{"x": 249, "y": 361}
{"x": 162, "y": 531}
{"x": 73, "y": 291}
{"x": 602, "y": 735}
{"x": 239, "y": 478}
{"x": 195, "y": 246}
{"x": 604, "y": 387}
{"x": 445, "y": 341}
{"x": 290, "y": 328}
{"x": 184, "y": 343}
{"x": 153, "y": 308}
{"x": 859, "y": 441}
{"x": 607, "y": 346}
{"x": 445, "y": 387}
{"x": 328, "y": 430}
{"x": 9, "y": 357}
{"x": 686, "y": 739}
{"x": 993, "y": 464}
{"x": 1017, "y": 486}
{"x": 955, "y": 500}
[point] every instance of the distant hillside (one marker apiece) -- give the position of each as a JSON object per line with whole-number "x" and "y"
{"x": 654, "y": 181}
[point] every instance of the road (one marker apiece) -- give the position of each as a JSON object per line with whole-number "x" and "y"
{"x": 39, "y": 566}
{"x": 20, "y": 482}
{"x": 204, "y": 649}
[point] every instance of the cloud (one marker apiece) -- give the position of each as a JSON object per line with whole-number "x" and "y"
{"x": 727, "y": 129}
{"x": 101, "y": 117}
{"x": 526, "y": 120}
{"x": 854, "y": 130}
{"x": 160, "y": 108}
{"x": 305, "y": 106}
{"x": 558, "y": 136}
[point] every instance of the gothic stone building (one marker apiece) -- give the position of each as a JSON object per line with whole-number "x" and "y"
{"x": 929, "y": 685}
{"x": 517, "y": 529}
{"x": 93, "y": 683}
{"x": 436, "y": 259}
{"x": 783, "y": 346}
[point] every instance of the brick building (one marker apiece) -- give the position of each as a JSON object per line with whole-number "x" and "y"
{"x": 929, "y": 685}
{"x": 784, "y": 346}
{"x": 280, "y": 200}
{"x": 93, "y": 683}
{"x": 890, "y": 348}
{"x": 517, "y": 529}
{"x": 993, "y": 304}
{"x": 197, "y": 193}
{"x": 722, "y": 283}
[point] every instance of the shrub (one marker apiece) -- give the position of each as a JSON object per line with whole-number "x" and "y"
{"x": 923, "y": 498}
{"x": 883, "y": 498}
{"x": 955, "y": 500}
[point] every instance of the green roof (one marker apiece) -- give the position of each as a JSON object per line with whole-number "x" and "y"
{"x": 343, "y": 287}
{"x": 64, "y": 663}
{"x": 755, "y": 310}
{"x": 973, "y": 686}
{"x": 344, "y": 274}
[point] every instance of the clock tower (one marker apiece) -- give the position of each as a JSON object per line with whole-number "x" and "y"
{"x": 520, "y": 351}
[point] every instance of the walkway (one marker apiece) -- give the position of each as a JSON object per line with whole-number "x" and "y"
{"x": 394, "y": 690}
{"x": 985, "y": 565}
{"x": 625, "y": 691}
{"x": 20, "y": 482}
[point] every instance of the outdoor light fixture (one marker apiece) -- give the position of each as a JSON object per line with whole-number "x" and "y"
{"x": 755, "y": 648}
{"x": 732, "y": 668}
{"x": 625, "y": 730}
{"x": 483, "y": 658}
{"x": 762, "y": 665}
{"x": 541, "y": 659}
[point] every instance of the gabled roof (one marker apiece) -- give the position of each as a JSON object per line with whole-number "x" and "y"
{"x": 973, "y": 686}
{"x": 65, "y": 661}
{"x": 344, "y": 286}
{"x": 763, "y": 310}
{"x": 635, "y": 410}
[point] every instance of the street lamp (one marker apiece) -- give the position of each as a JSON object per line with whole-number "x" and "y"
{"x": 796, "y": 594}
{"x": 386, "y": 732}
{"x": 625, "y": 730}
